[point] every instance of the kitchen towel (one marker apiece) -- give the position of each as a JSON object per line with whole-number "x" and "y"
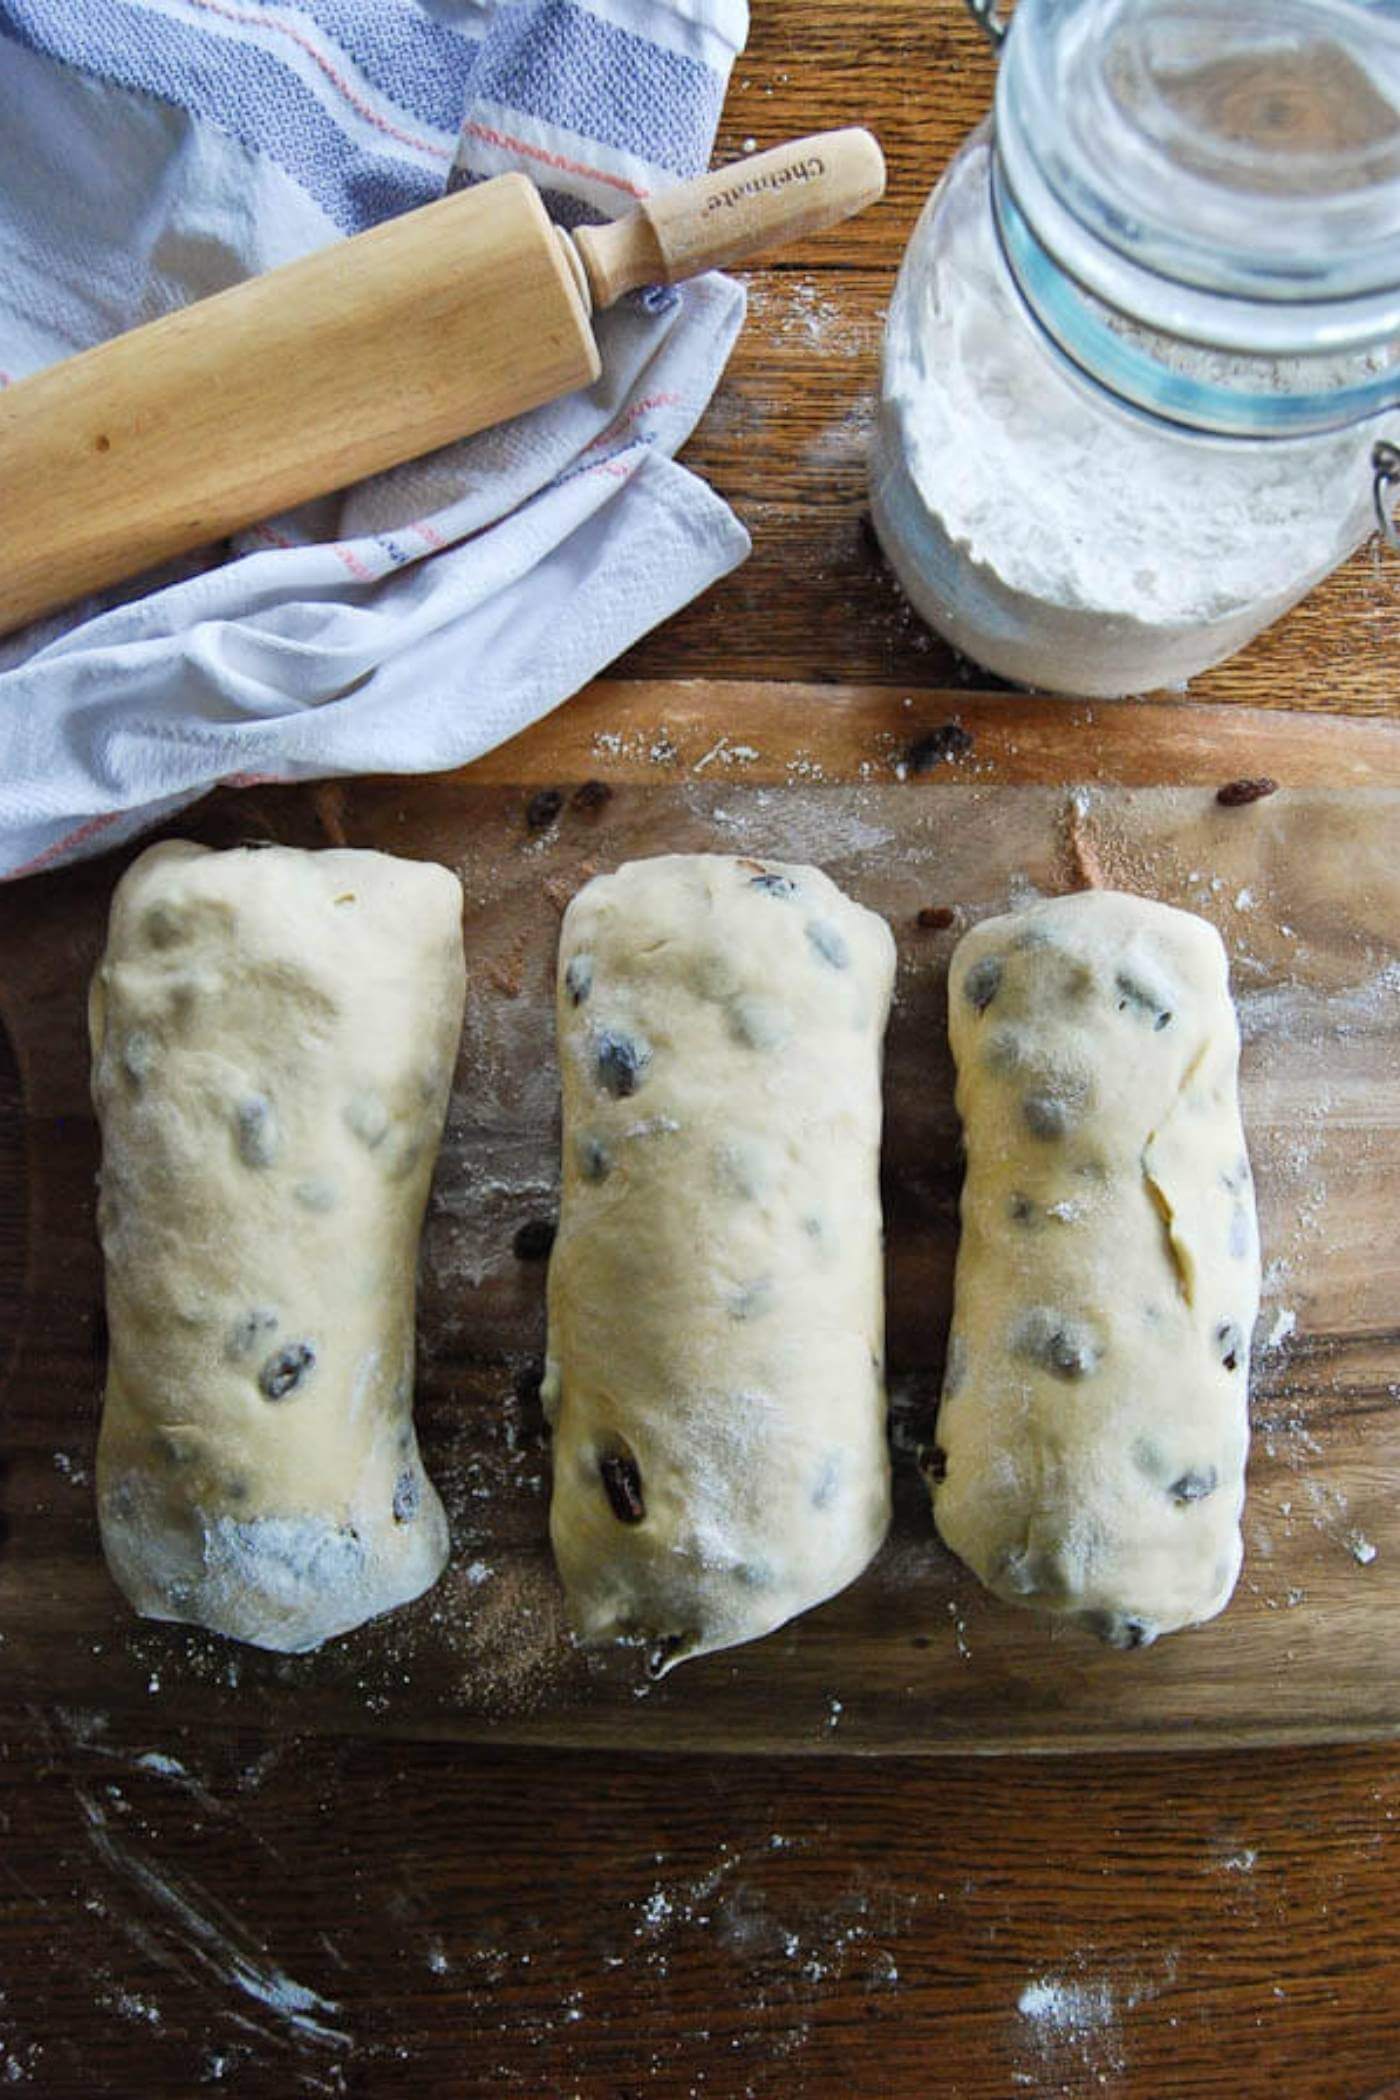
{"x": 159, "y": 150}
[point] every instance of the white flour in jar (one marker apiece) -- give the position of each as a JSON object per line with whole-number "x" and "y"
{"x": 1060, "y": 541}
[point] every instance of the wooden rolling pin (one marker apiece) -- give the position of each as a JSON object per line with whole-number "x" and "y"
{"x": 424, "y": 329}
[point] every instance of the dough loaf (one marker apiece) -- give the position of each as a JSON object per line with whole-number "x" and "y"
{"x": 1094, "y": 1425}
{"x": 716, "y": 1305}
{"x": 273, "y": 1035}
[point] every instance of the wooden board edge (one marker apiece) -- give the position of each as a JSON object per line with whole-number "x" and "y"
{"x": 605, "y": 1733}
{"x": 848, "y": 735}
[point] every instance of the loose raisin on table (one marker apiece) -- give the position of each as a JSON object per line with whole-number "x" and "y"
{"x": 1237, "y": 793}
{"x": 287, "y": 1370}
{"x": 591, "y": 795}
{"x": 934, "y": 917}
{"x": 939, "y": 747}
{"x": 534, "y": 1239}
{"x": 543, "y": 808}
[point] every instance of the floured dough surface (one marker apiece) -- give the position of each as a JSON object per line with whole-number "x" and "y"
{"x": 716, "y": 1308}
{"x": 1094, "y": 1426}
{"x": 273, "y": 1034}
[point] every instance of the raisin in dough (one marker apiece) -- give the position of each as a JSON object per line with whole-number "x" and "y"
{"x": 273, "y": 1035}
{"x": 716, "y": 1314}
{"x": 1094, "y": 1424}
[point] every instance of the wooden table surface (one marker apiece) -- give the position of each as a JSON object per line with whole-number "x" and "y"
{"x": 183, "y": 1911}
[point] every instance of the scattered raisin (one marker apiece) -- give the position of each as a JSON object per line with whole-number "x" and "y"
{"x": 594, "y": 1159}
{"x": 751, "y": 1301}
{"x": 828, "y": 1480}
{"x": 317, "y": 1194}
{"x": 622, "y": 1484}
{"x": 620, "y": 1061}
{"x": 940, "y": 747}
{"x": 527, "y": 1382}
{"x": 934, "y": 917}
{"x": 829, "y": 944}
{"x": 1068, "y": 1348}
{"x": 1045, "y": 1116}
{"x": 534, "y": 1239}
{"x": 285, "y": 1371}
{"x": 255, "y": 1131}
{"x": 1137, "y": 996}
{"x": 1119, "y": 1629}
{"x": 542, "y": 809}
{"x": 407, "y": 1498}
{"x": 759, "y": 1024}
{"x": 578, "y": 978}
{"x": 367, "y": 1118}
{"x": 983, "y": 982}
{"x": 663, "y": 1652}
{"x": 1236, "y": 793}
{"x": 591, "y": 795}
{"x": 247, "y": 1329}
{"x": 138, "y": 1056}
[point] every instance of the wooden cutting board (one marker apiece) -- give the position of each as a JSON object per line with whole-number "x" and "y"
{"x": 1305, "y": 887}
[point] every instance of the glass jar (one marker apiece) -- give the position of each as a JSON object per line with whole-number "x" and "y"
{"x": 1142, "y": 365}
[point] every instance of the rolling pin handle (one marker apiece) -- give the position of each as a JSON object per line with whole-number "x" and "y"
{"x": 734, "y": 214}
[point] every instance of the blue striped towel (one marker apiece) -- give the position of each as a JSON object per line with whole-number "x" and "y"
{"x": 159, "y": 150}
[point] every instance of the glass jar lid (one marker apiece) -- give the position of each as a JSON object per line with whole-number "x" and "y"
{"x": 1200, "y": 200}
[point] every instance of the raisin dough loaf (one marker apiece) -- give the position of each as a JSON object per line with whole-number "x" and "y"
{"x": 1094, "y": 1425}
{"x": 273, "y": 1035}
{"x": 716, "y": 1301}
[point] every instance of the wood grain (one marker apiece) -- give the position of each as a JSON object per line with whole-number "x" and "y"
{"x": 915, "y": 1657}
{"x": 550, "y": 1925}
